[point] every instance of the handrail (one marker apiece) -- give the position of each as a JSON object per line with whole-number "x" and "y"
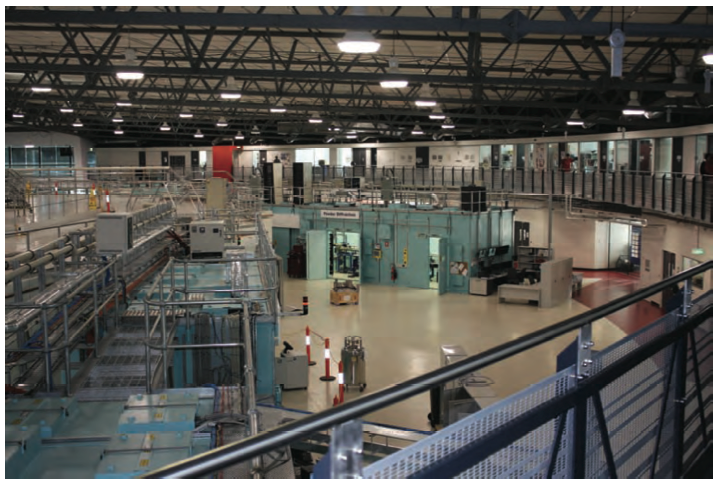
{"x": 241, "y": 451}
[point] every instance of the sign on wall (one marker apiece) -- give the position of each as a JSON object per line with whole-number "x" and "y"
{"x": 340, "y": 214}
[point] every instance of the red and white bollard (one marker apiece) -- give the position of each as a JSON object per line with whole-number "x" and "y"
{"x": 341, "y": 382}
{"x": 336, "y": 400}
{"x": 327, "y": 358}
{"x": 308, "y": 347}
{"x": 107, "y": 199}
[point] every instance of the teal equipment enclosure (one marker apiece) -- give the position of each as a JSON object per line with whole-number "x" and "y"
{"x": 399, "y": 237}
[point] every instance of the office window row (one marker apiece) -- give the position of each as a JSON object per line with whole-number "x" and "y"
{"x": 43, "y": 158}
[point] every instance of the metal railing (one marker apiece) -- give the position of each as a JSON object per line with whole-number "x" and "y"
{"x": 685, "y": 195}
{"x": 572, "y": 399}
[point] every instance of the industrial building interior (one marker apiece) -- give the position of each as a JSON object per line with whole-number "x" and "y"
{"x": 358, "y": 242}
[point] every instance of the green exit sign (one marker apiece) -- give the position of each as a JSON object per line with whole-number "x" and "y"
{"x": 698, "y": 251}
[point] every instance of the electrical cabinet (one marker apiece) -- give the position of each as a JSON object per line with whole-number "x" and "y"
{"x": 216, "y": 193}
{"x": 114, "y": 233}
{"x": 206, "y": 239}
{"x": 292, "y": 372}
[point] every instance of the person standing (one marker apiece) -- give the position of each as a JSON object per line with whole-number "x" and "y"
{"x": 706, "y": 166}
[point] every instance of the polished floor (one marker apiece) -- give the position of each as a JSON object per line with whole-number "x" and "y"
{"x": 402, "y": 330}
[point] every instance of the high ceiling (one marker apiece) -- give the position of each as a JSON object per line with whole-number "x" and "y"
{"x": 496, "y": 72}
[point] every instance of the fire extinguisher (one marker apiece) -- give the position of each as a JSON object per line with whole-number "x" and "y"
{"x": 394, "y": 274}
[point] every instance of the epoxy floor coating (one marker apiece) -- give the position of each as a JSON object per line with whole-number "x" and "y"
{"x": 402, "y": 331}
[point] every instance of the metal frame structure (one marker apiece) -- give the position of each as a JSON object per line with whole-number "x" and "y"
{"x": 495, "y": 71}
{"x": 574, "y": 397}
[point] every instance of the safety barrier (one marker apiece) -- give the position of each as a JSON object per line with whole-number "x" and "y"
{"x": 685, "y": 195}
{"x": 583, "y": 422}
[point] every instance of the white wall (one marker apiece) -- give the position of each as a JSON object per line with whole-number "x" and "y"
{"x": 664, "y": 234}
{"x": 129, "y": 156}
{"x": 80, "y": 146}
{"x": 453, "y": 156}
{"x": 619, "y": 242}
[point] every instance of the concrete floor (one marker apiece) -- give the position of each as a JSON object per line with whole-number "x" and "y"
{"x": 402, "y": 330}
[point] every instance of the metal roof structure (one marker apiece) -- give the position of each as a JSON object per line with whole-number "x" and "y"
{"x": 493, "y": 71}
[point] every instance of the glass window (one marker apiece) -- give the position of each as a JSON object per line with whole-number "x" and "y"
{"x": 553, "y": 156}
{"x": 484, "y": 156}
{"x": 589, "y": 156}
{"x": 701, "y": 148}
{"x": 507, "y": 152}
{"x": 17, "y": 157}
{"x": 7, "y": 157}
{"x": 622, "y": 155}
{"x": 664, "y": 157}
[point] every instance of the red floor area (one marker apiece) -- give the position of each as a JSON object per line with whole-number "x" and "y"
{"x": 613, "y": 285}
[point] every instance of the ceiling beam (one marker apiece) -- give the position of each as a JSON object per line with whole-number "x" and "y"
{"x": 507, "y": 26}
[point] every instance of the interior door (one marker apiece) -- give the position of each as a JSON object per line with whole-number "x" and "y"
{"x": 442, "y": 266}
{"x": 418, "y": 267}
{"x": 317, "y": 254}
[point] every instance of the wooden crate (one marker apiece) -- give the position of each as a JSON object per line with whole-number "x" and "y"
{"x": 344, "y": 297}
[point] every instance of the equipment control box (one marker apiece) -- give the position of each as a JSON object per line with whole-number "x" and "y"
{"x": 114, "y": 233}
{"x": 206, "y": 239}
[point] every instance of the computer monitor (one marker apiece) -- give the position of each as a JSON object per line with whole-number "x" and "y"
{"x": 491, "y": 252}
{"x": 481, "y": 253}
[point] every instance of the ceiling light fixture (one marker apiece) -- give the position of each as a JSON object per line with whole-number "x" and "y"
{"x": 230, "y": 91}
{"x": 123, "y": 103}
{"x": 164, "y": 127}
{"x": 198, "y": 134}
{"x": 239, "y": 136}
{"x": 130, "y": 71}
{"x": 255, "y": 130}
{"x": 436, "y": 114}
{"x": 117, "y": 118}
{"x": 186, "y": 115}
{"x": 119, "y": 132}
{"x": 29, "y": 146}
{"x": 633, "y": 105}
{"x": 351, "y": 136}
{"x": 575, "y": 119}
{"x": 394, "y": 82}
{"x": 278, "y": 108}
{"x": 18, "y": 115}
{"x": 67, "y": 110}
{"x": 77, "y": 123}
{"x": 359, "y": 42}
{"x": 41, "y": 88}
{"x": 417, "y": 130}
{"x": 222, "y": 122}
{"x": 448, "y": 124}
{"x": 425, "y": 97}
{"x": 315, "y": 119}
{"x": 709, "y": 58}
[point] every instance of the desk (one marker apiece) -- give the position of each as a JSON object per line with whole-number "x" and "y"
{"x": 519, "y": 292}
{"x": 486, "y": 286}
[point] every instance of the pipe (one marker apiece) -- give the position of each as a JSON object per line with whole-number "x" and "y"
{"x": 47, "y": 258}
{"x": 30, "y": 254}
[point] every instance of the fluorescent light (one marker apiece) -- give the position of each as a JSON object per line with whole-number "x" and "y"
{"x": 448, "y": 124}
{"x": 255, "y": 131}
{"x": 29, "y": 146}
{"x": 119, "y": 132}
{"x": 230, "y": 95}
{"x": 709, "y": 58}
{"x": 117, "y": 118}
{"x": 164, "y": 127}
{"x": 425, "y": 103}
{"x": 417, "y": 130}
{"x": 239, "y": 136}
{"x": 278, "y": 108}
{"x": 67, "y": 110}
{"x": 222, "y": 122}
{"x": 394, "y": 84}
{"x": 18, "y": 115}
{"x": 436, "y": 114}
{"x": 424, "y": 97}
{"x": 40, "y": 88}
{"x": 77, "y": 123}
{"x": 123, "y": 103}
{"x": 186, "y": 115}
{"x": 393, "y": 71}
{"x": 575, "y": 122}
{"x": 633, "y": 112}
{"x": 198, "y": 134}
{"x": 130, "y": 75}
{"x": 315, "y": 121}
{"x": 351, "y": 136}
{"x": 359, "y": 42}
